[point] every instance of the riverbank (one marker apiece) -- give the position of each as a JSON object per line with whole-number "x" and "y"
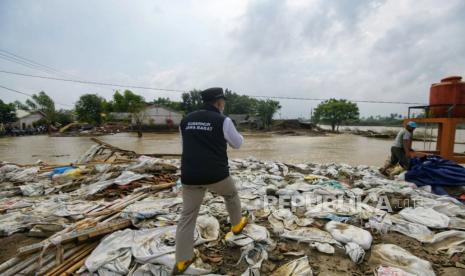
{"x": 122, "y": 190}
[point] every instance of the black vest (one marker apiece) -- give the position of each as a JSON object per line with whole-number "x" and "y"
{"x": 204, "y": 156}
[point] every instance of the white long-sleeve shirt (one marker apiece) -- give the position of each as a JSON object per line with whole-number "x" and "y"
{"x": 232, "y": 136}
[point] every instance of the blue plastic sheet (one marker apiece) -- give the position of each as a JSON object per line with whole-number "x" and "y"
{"x": 436, "y": 172}
{"x": 60, "y": 170}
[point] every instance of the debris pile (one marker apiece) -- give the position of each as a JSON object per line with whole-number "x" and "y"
{"x": 114, "y": 212}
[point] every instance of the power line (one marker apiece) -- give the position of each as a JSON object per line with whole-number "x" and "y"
{"x": 32, "y": 62}
{"x": 321, "y": 99}
{"x": 93, "y": 82}
{"x": 183, "y": 91}
{"x": 29, "y": 95}
{"x": 23, "y": 63}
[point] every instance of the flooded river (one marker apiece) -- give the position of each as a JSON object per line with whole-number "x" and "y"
{"x": 345, "y": 148}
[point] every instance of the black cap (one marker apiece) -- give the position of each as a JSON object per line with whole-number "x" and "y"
{"x": 212, "y": 94}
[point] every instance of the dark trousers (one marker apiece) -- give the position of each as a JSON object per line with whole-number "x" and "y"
{"x": 398, "y": 156}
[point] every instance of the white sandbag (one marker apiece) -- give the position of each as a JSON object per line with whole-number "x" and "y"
{"x": 450, "y": 242}
{"x": 391, "y": 271}
{"x": 323, "y": 247}
{"x": 297, "y": 267}
{"x": 251, "y": 233}
{"x": 355, "y": 252}
{"x": 426, "y": 216}
{"x": 309, "y": 234}
{"x": 395, "y": 256}
{"x": 414, "y": 230}
{"x": 346, "y": 233}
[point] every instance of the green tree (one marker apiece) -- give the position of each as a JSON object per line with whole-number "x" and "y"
{"x": 89, "y": 108}
{"x": 266, "y": 109}
{"x": 20, "y": 105}
{"x": 335, "y": 112}
{"x": 127, "y": 102}
{"x": 240, "y": 104}
{"x": 64, "y": 117}
{"x": 7, "y": 113}
{"x": 166, "y": 102}
{"x": 43, "y": 103}
{"x": 192, "y": 101}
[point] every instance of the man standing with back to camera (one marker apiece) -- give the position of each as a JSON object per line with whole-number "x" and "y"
{"x": 204, "y": 166}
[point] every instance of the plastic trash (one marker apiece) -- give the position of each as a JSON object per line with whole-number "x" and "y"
{"x": 156, "y": 246}
{"x": 309, "y": 234}
{"x": 395, "y": 256}
{"x": 251, "y": 233}
{"x": 60, "y": 170}
{"x": 346, "y": 233}
{"x": 355, "y": 252}
{"x": 297, "y": 267}
{"x": 391, "y": 271}
{"x": 323, "y": 247}
{"x": 426, "y": 216}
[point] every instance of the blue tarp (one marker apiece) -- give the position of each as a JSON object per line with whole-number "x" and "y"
{"x": 435, "y": 171}
{"x": 60, "y": 170}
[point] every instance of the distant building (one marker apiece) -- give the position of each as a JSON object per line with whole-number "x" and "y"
{"x": 27, "y": 119}
{"x": 155, "y": 115}
{"x": 119, "y": 116}
{"x": 250, "y": 121}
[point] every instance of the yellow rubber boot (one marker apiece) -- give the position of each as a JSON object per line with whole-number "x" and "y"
{"x": 182, "y": 266}
{"x": 237, "y": 229}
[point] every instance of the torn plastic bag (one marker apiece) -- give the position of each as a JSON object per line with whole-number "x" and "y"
{"x": 343, "y": 208}
{"x": 22, "y": 175}
{"x": 282, "y": 219}
{"x": 355, "y": 252}
{"x": 394, "y": 256}
{"x": 297, "y": 267}
{"x": 426, "y": 216}
{"x": 414, "y": 230}
{"x": 346, "y": 233}
{"x": 75, "y": 208}
{"x": 149, "y": 207}
{"x": 33, "y": 189}
{"x": 251, "y": 233}
{"x": 156, "y": 246}
{"x": 309, "y": 234}
{"x": 127, "y": 177}
{"x": 450, "y": 242}
{"x": 254, "y": 255}
{"x": 152, "y": 270}
{"x": 391, "y": 271}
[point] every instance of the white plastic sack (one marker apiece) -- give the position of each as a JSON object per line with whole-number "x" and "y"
{"x": 355, "y": 252}
{"x": 156, "y": 246}
{"x": 297, "y": 267}
{"x": 394, "y": 256}
{"x": 309, "y": 234}
{"x": 426, "y": 216}
{"x": 251, "y": 233}
{"x": 127, "y": 177}
{"x": 346, "y": 233}
{"x": 391, "y": 271}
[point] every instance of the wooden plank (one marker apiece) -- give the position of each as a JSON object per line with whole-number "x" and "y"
{"x": 78, "y": 234}
{"x": 84, "y": 252}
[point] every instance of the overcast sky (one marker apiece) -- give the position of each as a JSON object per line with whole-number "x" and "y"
{"x": 359, "y": 50}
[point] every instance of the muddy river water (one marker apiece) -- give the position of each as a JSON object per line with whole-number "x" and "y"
{"x": 344, "y": 148}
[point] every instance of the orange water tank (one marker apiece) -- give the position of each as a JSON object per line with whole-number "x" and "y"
{"x": 449, "y": 91}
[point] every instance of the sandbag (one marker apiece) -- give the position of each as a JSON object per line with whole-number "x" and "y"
{"x": 346, "y": 233}
{"x": 395, "y": 256}
{"x": 426, "y": 216}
